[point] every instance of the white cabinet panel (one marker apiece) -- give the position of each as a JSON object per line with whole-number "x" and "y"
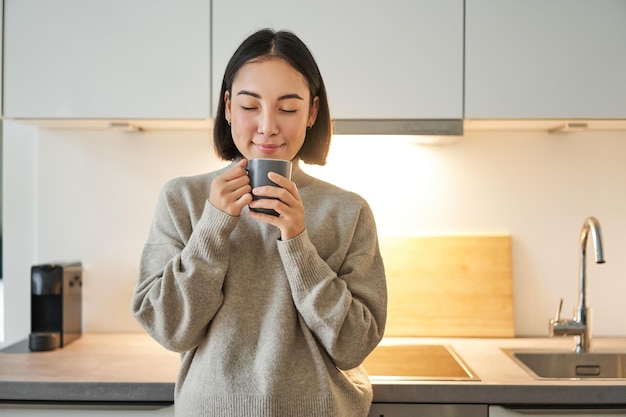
{"x": 30, "y": 410}
{"x": 391, "y": 59}
{"x": 498, "y": 411}
{"x": 545, "y": 59}
{"x": 107, "y": 59}
{"x": 427, "y": 410}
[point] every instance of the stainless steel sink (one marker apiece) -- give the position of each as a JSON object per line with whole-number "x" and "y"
{"x": 570, "y": 365}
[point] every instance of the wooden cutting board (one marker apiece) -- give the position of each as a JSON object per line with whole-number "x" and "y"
{"x": 449, "y": 286}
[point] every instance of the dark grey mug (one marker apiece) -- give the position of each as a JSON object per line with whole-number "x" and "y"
{"x": 258, "y": 170}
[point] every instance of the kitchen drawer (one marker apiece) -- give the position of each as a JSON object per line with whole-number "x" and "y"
{"x": 428, "y": 410}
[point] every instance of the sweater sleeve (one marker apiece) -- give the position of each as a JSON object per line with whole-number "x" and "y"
{"x": 181, "y": 272}
{"x": 345, "y": 310}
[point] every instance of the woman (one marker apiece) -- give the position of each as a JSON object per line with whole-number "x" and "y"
{"x": 272, "y": 315}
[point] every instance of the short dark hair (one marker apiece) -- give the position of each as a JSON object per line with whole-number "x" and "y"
{"x": 266, "y": 44}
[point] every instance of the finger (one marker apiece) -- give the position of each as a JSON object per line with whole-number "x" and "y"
{"x": 233, "y": 181}
{"x": 244, "y": 200}
{"x": 230, "y": 191}
{"x": 289, "y": 221}
{"x": 238, "y": 183}
{"x": 285, "y": 183}
{"x": 283, "y": 195}
{"x": 266, "y": 191}
{"x": 237, "y": 171}
{"x": 268, "y": 203}
{"x": 279, "y": 180}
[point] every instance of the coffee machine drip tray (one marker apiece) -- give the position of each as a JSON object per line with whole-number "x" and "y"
{"x": 39, "y": 341}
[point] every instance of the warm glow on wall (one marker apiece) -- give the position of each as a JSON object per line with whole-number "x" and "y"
{"x": 391, "y": 172}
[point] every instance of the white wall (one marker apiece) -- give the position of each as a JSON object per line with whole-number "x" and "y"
{"x": 1, "y": 193}
{"x": 95, "y": 194}
{"x": 19, "y": 225}
{"x": 536, "y": 186}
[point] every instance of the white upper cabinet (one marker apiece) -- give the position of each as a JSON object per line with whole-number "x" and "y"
{"x": 393, "y": 59}
{"x": 545, "y": 59}
{"x": 107, "y": 59}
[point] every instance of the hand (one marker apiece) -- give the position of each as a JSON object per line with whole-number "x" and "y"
{"x": 287, "y": 204}
{"x": 230, "y": 191}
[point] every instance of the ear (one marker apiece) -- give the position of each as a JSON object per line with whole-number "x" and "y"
{"x": 313, "y": 112}
{"x": 227, "y": 105}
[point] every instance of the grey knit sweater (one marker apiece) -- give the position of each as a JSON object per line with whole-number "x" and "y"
{"x": 265, "y": 327}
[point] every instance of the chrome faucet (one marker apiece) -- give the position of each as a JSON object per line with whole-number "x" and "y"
{"x": 580, "y": 325}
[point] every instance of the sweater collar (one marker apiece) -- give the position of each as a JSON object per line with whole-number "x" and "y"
{"x": 298, "y": 176}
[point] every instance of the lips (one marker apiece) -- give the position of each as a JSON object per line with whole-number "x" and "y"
{"x": 267, "y": 148}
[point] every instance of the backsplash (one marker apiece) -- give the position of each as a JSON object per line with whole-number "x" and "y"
{"x": 95, "y": 193}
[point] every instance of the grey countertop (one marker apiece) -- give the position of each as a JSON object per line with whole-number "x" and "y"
{"x": 133, "y": 368}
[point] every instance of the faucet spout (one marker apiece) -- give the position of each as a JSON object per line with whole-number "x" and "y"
{"x": 580, "y": 325}
{"x": 591, "y": 225}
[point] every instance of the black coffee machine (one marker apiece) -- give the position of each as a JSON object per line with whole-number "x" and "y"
{"x": 56, "y": 305}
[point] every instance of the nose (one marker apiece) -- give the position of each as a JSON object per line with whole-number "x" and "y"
{"x": 267, "y": 124}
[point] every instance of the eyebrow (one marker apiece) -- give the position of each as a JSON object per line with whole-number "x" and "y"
{"x": 284, "y": 97}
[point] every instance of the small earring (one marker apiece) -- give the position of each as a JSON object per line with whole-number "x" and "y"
{"x": 228, "y": 121}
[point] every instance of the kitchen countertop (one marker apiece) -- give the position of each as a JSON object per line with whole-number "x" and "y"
{"x": 130, "y": 367}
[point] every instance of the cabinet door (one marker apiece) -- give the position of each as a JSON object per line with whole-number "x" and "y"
{"x": 392, "y": 59}
{"x": 545, "y": 59}
{"x": 427, "y": 410}
{"x": 499, "y": 411}
{"x": 107, "y": 59}
{"x": 53, "y": 410}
